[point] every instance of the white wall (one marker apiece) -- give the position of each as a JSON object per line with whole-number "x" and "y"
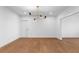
{"x": 9, "y": 26}
{"x": 70, "y": 26}
{"x": 43, "y": 28}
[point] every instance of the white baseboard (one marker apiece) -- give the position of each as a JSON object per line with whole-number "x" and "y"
{"x": 38, "y": 37}
{"x": 70, "y": 37}
{"x": 8, "y": 41}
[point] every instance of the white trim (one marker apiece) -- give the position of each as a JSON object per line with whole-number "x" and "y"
{"x": 39, "y": 37}
{"x": 70, "y": 37}
{"x": 9, "y": 41}
{"x": 59, "y": 34}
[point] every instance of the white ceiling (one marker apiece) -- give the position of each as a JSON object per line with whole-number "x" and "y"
{"x": 44, "y": 10}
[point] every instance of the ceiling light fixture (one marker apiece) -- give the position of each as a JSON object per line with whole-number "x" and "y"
{"x": 38, "y": 15}
{"x": 29, "y": 13}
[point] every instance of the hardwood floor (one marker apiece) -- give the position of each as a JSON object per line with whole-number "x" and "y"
{"x": 41, "y": 45}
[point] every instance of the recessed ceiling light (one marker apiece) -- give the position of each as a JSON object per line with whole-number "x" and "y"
{"x": 30, "y": 8}
{"x": 50, "y": 13}
{"x": 25, "y": 13}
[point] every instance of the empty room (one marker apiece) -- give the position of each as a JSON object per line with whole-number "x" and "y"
{"x": 39, "y": 29}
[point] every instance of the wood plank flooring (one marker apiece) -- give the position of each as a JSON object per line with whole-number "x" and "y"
{"x": 42, "y": 45}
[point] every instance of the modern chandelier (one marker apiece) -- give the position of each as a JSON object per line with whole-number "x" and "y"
{"x": 38, "y": 15}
